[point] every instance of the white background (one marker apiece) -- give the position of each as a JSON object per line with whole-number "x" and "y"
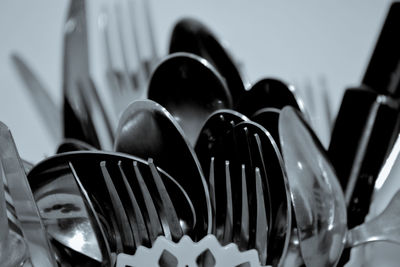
{"x": 296, "y": 41}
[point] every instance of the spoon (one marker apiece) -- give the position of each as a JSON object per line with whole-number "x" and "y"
{"x": 211, "y": 136}
{"x": 268, "y": 93}
{"x": 268, "y": 118}
{"x": 217, "y": 125}
{"x": 318, "y": 200}
{"x": 190, "y": 35}
{"x": 190, "y": 88}
{"x": 148, "y": 130}
{"x": 70, "y": 145}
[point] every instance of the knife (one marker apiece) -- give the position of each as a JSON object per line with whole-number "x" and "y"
{"x": 27, "y": 212}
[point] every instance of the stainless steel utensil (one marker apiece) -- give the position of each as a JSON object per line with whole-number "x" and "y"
{"x": 382, "y": 72}
{"x": 217, "y": 125}
{"x": 51, "y": 179}
{"x": 269, "y": 93}
{"x": 83, "y": 110}
{"x": 191, "y": 89}
{"x": 318, "y": 199}
{"x": 106, "y": 258}
{"x": 148, "y": 130}
{"x": 31, "y": 224}
{"x": 264, "y": 155}
{"x": 362, "y": 137}
{"x": 190, "y": 35}
{"x": 127, "y": 29}
{"x": 13, "y": 249}
{"x": 268, "y": 118}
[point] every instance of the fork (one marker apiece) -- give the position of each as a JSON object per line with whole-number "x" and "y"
{"x": 127, "y": 70}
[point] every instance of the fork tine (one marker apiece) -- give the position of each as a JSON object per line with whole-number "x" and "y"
{"x": 122, "y": 41}
{"x": 150, "y": 27}
{"x": 155, "y": 228}
{"x": 121, "y": 217}
{"x": 212, "y": 196}
{"x": 139, "y": 228}
{"x": 142, "y": 73}
{"x": 4, "y": 228}
{"x": 104, "y": 24}
{"x": 168, "y": 207}
{"x": 262, "y": 167}
{"x": 244, "y": 222}
{"x": 96, "y": 225}
{"x": 261, "y": 233}
{"x": 228, "y": 230}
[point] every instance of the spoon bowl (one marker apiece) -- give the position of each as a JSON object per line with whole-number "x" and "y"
{"x": 190, "y": 35}
{"x": 269, "y": 93}
{"x": 317, "y": 197}
{"x": 147, "y": 130}
{"x": 190, "y": 88}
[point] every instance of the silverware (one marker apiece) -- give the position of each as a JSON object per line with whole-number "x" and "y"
{"x": 121, "y": 218}
{"x": 14, "y": 251}
{"x": 148, "y": 130}
{"x": 190, "y": 35}
{"x": 318, "y": 200}
{"x": 69, "y": 145}
{"x": 268, "y": 118}
{"x": 95, "y": 224}
{"x": 263, "y": 154}
{"x": 362, "y": 137}
{"x": 138, "y": 224}
{"x": 25, "y": 207}
{"x": 191, "y": 89}
{"x": 382, "y": 73}
{"x": 135, "y": 46}
{"x": 269, "y": 93}
{"x": 49, "y": 111}
{"x": 83, "y": 111}
{"x": 213, "y": 162}
{"x": 66, "y": 218}
{"x": 52, "y": 179}
{"x": 217, "y": 125}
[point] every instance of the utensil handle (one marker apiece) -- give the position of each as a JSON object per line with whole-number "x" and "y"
{"x": 4, "y": 229}
{"x": 384, "y": 227}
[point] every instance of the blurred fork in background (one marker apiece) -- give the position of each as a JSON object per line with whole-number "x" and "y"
{"x": 129, "y": 48}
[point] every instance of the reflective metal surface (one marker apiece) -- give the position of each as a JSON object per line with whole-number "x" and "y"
{"x": 148, "y": 130}
{"x": 316, "y": 194}
{"x": 28, "y": 215}
{"x": 191, "y": 89}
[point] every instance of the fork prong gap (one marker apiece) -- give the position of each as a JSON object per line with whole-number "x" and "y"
{"x": 121, "y": 217}
{"x": 155, "y": 228}
{"x": 139, "y": 230}
{"x": 170, "y": 211}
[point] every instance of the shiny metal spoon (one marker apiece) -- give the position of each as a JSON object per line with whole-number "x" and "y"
{"x": 191, "y": 89}
{"x": 190, "y": 35}
{"x": 148, "y": 130}
{"x": 269, "y": 93}
{"x": 318, "y": 200}
{"x": 214, "y": 130}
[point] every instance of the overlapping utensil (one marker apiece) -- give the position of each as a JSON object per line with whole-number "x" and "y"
{"x": 186, "y": 163}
